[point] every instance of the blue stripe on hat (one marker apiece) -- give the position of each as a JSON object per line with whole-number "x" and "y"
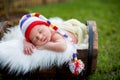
{"x": 74, "y": 55}
{"x": 28, "y": 15}
{"x": 65, "y": 35}
{"x": 48, "y": 22}
{"x": 22, "y": 22}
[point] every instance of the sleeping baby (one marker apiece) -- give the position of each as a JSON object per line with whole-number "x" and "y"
{"x": 41, "y": 34}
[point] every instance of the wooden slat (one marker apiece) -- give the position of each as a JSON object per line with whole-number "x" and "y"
{"x": 95, "y": 35}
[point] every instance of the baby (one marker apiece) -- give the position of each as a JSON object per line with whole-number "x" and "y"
{"x": 39, "y": 34}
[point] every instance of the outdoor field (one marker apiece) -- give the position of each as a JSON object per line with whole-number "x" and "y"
{"x": 106, "y": 13}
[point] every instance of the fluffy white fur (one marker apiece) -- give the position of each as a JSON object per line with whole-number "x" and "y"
{"x": 12, "y": 56}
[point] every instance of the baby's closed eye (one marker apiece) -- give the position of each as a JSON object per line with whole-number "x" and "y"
{"x": 37, "y": 38}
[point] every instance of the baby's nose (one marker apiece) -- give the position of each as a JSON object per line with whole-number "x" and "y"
{"x": 39, "y": 37}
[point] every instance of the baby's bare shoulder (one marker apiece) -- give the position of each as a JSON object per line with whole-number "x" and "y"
{"x": 57, "y": 37}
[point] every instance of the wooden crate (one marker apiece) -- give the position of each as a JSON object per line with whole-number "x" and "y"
{"x": 88, "y": 56}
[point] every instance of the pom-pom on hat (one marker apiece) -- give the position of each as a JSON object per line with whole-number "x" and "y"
{"x": 29, "y": 21}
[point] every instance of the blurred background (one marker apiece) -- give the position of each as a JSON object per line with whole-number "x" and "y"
{"x": 106, "y": 13}
{"x": 12, "y": 10}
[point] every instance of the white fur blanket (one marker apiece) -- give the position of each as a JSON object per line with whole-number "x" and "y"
{"x": 12, "y": 56}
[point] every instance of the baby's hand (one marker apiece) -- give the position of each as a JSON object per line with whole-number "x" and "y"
{"x": 28, "y": 48}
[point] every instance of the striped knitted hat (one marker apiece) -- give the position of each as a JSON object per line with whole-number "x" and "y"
{"x": 28, "y": 21}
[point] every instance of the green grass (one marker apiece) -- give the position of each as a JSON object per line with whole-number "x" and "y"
{"x": 106, "y": 13}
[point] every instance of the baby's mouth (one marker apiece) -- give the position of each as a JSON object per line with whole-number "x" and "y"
{"x": 44, "y": 39}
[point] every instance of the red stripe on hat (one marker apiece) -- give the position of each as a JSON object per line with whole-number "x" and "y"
{"x": 55, "y": 28}
{"x": 37, "y": 14}
{"x": 33, "y": 24}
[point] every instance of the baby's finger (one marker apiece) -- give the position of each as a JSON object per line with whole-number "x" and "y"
{"x": 38, "y": 47}
{"x": 25, "y": 51}
{"x": 31, "y": 50}
{"x": 33, "y": 46}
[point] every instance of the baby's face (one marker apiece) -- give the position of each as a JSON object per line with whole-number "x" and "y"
{"x": 40, "y": 34}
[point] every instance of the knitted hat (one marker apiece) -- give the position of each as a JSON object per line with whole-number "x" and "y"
{"x": 29, "y": 21}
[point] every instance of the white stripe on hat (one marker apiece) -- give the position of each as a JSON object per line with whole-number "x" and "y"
{"x": 28, "y": 22}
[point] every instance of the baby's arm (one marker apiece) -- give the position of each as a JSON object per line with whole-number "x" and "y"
{"x": 58, "y": 44}
{"x": 28, "y": 47}
{"x": 54, "y": 46}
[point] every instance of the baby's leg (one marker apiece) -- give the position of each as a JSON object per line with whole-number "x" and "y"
{"x": 79, "y": 29}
